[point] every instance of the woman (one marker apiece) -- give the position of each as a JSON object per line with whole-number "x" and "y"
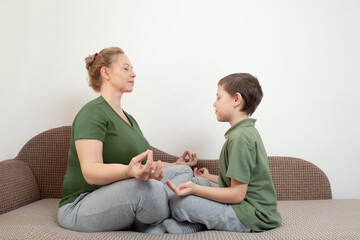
{"x": 112, "y": 180}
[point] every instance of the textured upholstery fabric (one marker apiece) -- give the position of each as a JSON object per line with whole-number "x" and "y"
{"x": 294, "y": 178}
{"x": 318, "y": 219}
{"x": 46, "y": 154}
{"x": 17, "y": 185}
{"x": 297, "y": 179}
{"x": 38, "y": 170}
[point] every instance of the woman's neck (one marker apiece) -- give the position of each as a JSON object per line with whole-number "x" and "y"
{"x": 113, "y": 98}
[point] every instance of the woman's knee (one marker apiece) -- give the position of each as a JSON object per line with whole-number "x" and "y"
{"x": 154, "y": 200}
{"x": 151, "y": 189}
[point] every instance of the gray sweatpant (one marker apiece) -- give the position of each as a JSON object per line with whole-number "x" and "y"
{"x": 214, "y": 215}
{"x": 118, "y": 205}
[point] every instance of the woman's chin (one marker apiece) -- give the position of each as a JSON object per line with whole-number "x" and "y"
{"x": 129, "y": 90}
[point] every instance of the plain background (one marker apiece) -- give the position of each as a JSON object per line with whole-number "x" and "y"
{"x": 306, "y": 55}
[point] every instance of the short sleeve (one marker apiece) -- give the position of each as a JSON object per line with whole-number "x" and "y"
{"x": 90, "y": 123}
{"x": 242, "y": 161}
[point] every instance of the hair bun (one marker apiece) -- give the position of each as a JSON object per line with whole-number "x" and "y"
{"x": 89, "y": 61}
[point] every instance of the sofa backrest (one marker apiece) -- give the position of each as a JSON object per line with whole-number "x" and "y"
{"x": 46, "y": 154}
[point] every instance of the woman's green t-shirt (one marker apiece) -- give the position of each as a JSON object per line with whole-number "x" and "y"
{"x": 121, "y": 142}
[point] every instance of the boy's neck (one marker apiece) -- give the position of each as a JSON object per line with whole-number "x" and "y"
{"x": 238, "y": 117}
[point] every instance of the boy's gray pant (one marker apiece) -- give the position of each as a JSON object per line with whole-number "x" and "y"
{"x": 214, "y": 215}
{"x": 118, "y": 205}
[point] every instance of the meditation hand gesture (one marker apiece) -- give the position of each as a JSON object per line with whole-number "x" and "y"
{"x": 191, "y": 162}
{"x": 147, "y": 171}
{"x": 202, "y": 172}
{"x": 183, "y": 189}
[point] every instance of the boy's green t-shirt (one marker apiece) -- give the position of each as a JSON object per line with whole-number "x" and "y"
{"x": 121, "y": 142}
{"x": 243, "y": 158}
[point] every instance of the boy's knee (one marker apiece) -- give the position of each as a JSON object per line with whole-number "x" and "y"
{"x": 181, "y": 207}
{"x": 201, "y": 181}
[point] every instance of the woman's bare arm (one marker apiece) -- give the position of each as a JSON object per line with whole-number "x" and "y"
{"x": 96, "y": 172}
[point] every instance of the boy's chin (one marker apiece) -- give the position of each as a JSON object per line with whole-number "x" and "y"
{"x": 221, "y": 120}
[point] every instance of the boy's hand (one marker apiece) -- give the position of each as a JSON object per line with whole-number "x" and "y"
{"x": 183, "y": 189}
{"x": 202, "y": 172}
{"x": 192, "y": 159}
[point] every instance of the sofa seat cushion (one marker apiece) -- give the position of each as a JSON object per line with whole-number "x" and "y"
{"x": 315, "y": 219}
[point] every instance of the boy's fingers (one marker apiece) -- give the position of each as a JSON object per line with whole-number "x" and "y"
{"x": 171, "y": 185}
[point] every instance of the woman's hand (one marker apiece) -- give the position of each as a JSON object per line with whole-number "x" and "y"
{"x": 192, "y": 159}
{"x": 147, "y": 171}
{"x": 157, "y": 173}
{"x": 183, "y": 189}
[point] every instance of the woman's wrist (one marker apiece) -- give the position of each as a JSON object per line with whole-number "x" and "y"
{"x": 128, "y": 172}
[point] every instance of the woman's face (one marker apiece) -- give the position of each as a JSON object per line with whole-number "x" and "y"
{"x": 121, "y": 74}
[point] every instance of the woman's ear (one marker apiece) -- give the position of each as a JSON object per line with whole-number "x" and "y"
{"x": 104, "y": 73}
{"x": 239, "y": 101}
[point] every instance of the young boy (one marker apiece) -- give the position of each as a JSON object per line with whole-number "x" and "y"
{"x": 242, "y": 198}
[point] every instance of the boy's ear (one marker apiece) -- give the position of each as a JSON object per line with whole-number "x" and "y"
{"x": 239, "y": 101}
{"x": 104, "y": 73}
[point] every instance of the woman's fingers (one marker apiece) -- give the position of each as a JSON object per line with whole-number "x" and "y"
{"x": 149, "y": 162}
{"x": 186, "y": 153}
{"x": 193, "y": 160}
{"x": 157, "y": 172}
{"x": 143, "y": 172}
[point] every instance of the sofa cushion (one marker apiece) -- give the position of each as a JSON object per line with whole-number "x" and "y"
{"x": 318, "y": 219}
{"x": 18, "y": 186}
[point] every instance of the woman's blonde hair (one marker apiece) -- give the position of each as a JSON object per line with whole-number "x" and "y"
{"x": 105, "y": 58}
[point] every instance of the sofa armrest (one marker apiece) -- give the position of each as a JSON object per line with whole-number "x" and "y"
{"x": 17, "y": 185}
{"x": 298, "y": 179}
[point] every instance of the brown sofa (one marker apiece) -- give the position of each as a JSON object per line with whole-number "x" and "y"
{"x": 30, "y": 190}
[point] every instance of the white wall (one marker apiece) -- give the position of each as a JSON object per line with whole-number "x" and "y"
{"x": 306, "y": 55}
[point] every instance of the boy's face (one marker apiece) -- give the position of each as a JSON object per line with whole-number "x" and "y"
{"x": 224, "y": 105}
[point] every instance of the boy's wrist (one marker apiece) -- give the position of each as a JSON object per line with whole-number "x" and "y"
{"x": 195, "y": 189}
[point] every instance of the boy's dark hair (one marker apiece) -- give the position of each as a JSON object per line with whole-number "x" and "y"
{"x": 245, "y": 84}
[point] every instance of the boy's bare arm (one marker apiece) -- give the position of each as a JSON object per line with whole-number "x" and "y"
{"x": 204, "y": 173}
{"x": 230, "y": 195}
